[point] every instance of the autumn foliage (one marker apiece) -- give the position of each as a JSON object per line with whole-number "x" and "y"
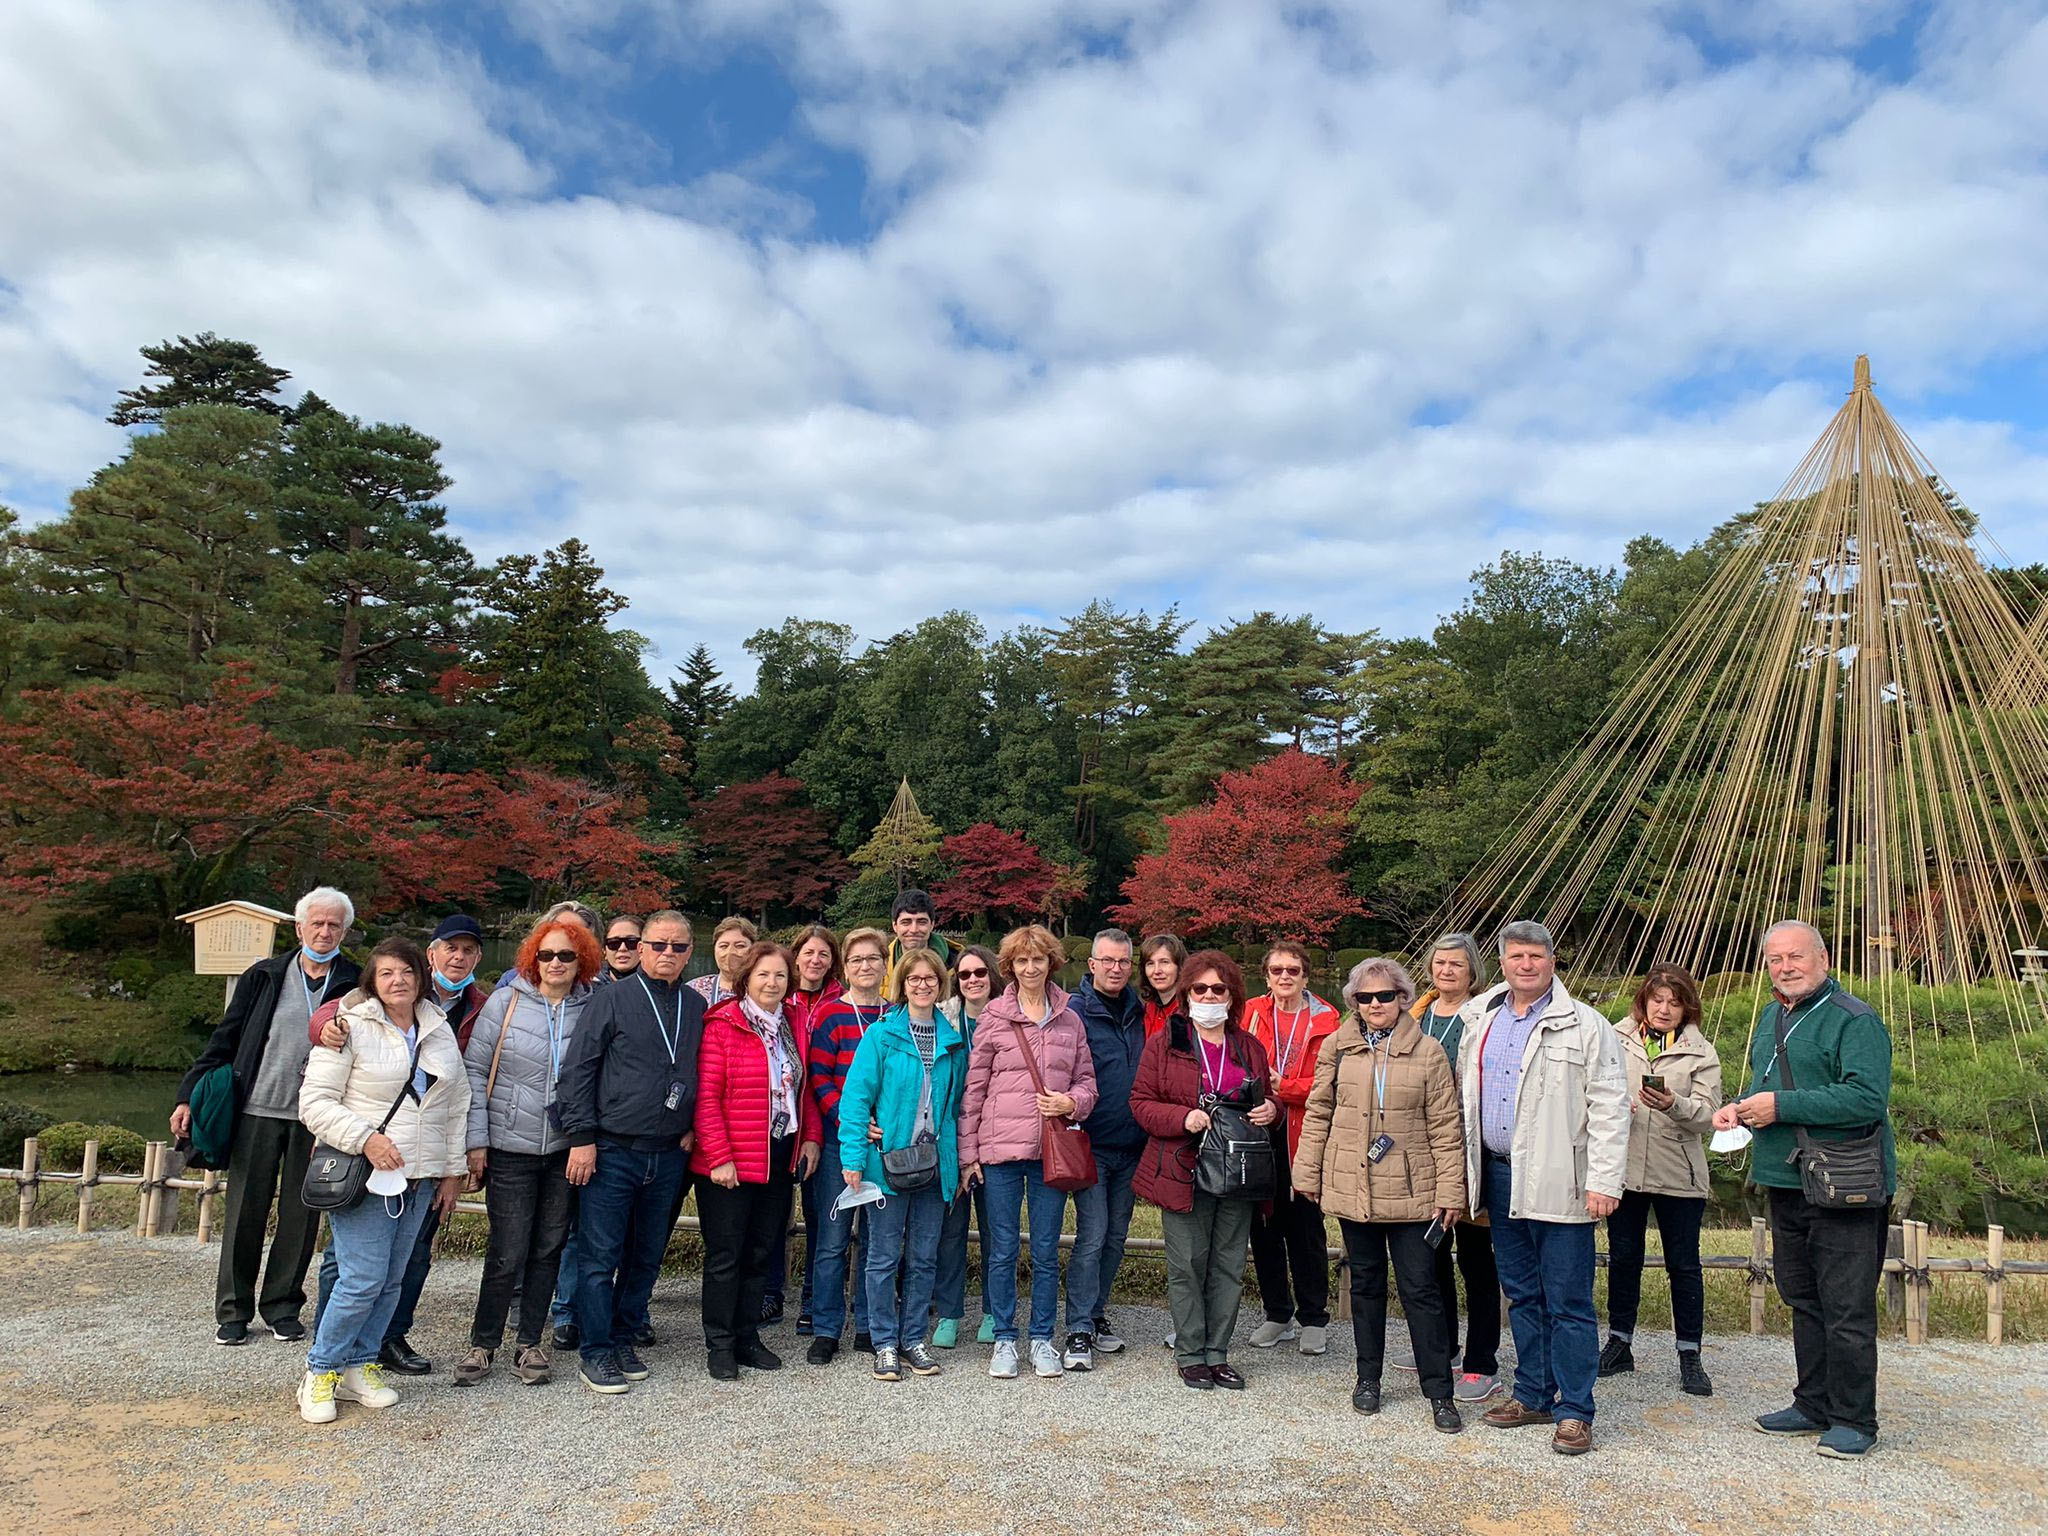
{"x": 764, "y": 846}
{"x": 560, "y": 836}
{"x": 1258, "y": 860}
{"x": 999, "y": 877}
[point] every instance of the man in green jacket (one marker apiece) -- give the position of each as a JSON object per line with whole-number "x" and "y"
{"x": 1821, "y": 1062}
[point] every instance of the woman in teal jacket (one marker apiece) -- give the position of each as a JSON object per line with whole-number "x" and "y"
{"x": 907, "y": 1077}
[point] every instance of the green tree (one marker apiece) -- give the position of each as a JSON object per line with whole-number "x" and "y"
{"x": 13, "y": 603}
{"x": 357, "y": 511}
{"x": 167, "y": 563}
{"x": 564, "y": 682}
{"x": 697, "y": 700}
{"x": 801, "y": 667}
{"x": 1035, "y": 759}
{"x": 200, "y": 370}
{"x": 1115, "y": 673}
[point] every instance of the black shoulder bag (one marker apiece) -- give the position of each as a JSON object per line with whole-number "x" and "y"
{"x": 915, "y": 1167}
{"x": 1235, "y": 1159}
{"x": 336, "y": 1180}
{"x": 1845, "y": 1175}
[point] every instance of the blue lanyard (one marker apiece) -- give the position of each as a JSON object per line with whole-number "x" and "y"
{"x": 313, "y": 1003}
{"x": 671, "y": 1040}
{"x": 557, "y": 1016}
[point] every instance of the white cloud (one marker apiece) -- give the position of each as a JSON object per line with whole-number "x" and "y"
{"x": 1155, "y": 318}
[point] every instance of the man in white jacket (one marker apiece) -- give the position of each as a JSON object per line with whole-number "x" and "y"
{"x": 1546, "y": 1156}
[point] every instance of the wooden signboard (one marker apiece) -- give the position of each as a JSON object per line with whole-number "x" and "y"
{"x": 231, "y": 936}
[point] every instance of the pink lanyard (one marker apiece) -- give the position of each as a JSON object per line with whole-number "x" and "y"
{"x": 1213, "y": 1082}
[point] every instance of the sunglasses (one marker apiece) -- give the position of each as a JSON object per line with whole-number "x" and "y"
{"x": 663, "y": 946}
{"x": 1391, "y": 995}
{"x": 628, "y": 944}
{"x": 1208, "y": 989}
{"x": 1283, "y": 970}
{"x": 555, "y": 956}
{"x": 980, "y": 973}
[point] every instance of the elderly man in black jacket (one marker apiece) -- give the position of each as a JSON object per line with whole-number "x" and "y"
{"x": 264, "y": 1035}
{"x": 628, "y": 1098}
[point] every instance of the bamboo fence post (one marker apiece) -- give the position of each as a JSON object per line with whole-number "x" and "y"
{"x": 1895, "y": 1279}
{"x": 1994, "y": 1286}
{"x": 170, "y": 1165}
{"x": 88, "y": 1176}
{"x": 1343, "y": 1310}
{"x": 1759, "y": 1260}
{"x": 1916, "y": 1257}
{"x": 208, "y": 1188}
{"x": 145, "y": 1192}
{"x": 27, "y": 1184}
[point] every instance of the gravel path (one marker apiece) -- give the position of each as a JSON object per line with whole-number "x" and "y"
{"x": 118, "y": 1413}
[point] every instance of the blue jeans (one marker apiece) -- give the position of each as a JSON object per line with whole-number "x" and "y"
{"x": 1009, "y": 1186}
{"x": 371, "y": 1248}
{"x": 415, "y": 1281}
{"x": 1546, "y": 1267}
{"x": 835, "y": 1237}
{"x": 949, "y": 1295}
{"x": 623, "y": 1226}
{"x": 1102, "y": 1225}
{"x": 569, "y": 1277}
{"x": 903, "y": 1233}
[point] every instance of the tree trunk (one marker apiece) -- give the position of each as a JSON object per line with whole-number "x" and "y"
{"x": 351, "y": 641}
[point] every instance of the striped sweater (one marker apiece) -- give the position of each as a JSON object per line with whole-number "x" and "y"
{"x": 834, "y": 1038}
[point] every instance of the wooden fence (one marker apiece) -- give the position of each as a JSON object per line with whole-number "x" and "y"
{"x": 1909, "y": 1267}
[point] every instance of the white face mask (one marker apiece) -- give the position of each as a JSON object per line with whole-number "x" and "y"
{"x": 1210, "y": 1014}
{"x": 1732, "y": 1140}
{"x": 387, "y": 1181}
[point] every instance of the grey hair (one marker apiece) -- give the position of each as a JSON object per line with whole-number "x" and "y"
{"x": 587, "y": 916}
{"x": 1783, "y": 924}
{"x": 1114, "y": 935}
{"x": 669, "y": 915}
{"x": 1468, "y": 946}
{"x": 1526, "y": 932}
{"x": 325, "y": 896}
{"x": 1381, "y": 965}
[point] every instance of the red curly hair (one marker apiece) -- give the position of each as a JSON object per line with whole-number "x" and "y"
{"x": 588, "y": 956}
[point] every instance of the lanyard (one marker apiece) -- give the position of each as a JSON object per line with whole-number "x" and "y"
{"x": 1213, "y": 1082}
{"x": 1379, "y": 1081}
{"x": 1293, "y": 1031}
{"x": 558, "y": 1015}
{"x": 1779, "y": 1050}
{"x": 671, "y": 1040}
{"x": 313, "y": 1002}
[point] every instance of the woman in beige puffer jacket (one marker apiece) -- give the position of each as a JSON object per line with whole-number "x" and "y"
{"x": 399, "y": 1052}
{"x": 1383, "y": 1150}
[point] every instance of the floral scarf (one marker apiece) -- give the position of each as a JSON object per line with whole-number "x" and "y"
{"x": 772, "y": 1030}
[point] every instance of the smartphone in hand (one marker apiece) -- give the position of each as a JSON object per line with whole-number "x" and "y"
{"x": 1433, "y": 1234}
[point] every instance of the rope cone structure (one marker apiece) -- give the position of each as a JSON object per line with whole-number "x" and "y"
{"x": 1847, "y": 726}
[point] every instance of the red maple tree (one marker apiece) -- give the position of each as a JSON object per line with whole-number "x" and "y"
{"x": 765, "y": 847}
{"x": 996, "y": 876}
{"x": 1256, "y": 862}
{"x": 197, "y": 802}
{"x": 557, "y": 836}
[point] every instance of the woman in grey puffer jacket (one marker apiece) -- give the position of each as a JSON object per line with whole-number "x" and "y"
{"x": 515, "y": 1056}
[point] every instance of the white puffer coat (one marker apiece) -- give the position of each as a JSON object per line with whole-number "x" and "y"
{"x": 346, "y": 1093}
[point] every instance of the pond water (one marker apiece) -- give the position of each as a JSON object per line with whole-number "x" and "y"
{"x": 141, "y": 1101}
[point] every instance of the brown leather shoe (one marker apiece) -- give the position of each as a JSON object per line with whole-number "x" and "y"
{"x": 1226, "y": 1377}
{"x": 1513, "y": 1413}
{"x": 1198, "y": 1377}
{"x": 1574, "y": 1437}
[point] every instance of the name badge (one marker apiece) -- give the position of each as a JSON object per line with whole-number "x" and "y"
{"x": 675, "y": 1097}
{"x": 1382, "y": 1144}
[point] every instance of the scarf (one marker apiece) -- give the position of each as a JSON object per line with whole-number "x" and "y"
{"x": 772, "y": 1030}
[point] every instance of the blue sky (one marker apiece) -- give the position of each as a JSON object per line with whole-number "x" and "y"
{"x": 862, "y": 309}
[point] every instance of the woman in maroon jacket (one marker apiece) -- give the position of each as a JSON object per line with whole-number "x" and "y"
{"x": 1203, "y": 1050}
{"x": 757, "y": 1133}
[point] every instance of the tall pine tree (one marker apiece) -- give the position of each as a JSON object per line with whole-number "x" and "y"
{"x": 201, "y": 370}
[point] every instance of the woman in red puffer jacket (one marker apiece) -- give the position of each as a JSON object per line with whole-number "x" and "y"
{"x": 757, "y": 1133}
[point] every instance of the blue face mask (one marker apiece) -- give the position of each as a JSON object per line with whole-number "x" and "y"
{"x": 317, "y": 958}
{"x": 446, "y": 985}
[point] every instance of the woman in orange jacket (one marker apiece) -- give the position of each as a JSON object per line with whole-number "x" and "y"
{"x": 1288, "y": 1237}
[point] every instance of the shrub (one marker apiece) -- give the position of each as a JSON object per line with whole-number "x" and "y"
{"x": 73, "y": 931}
{"x": 63, "y": 1146}
{"x": 186, "y": 1003}
{"x": 133, "y": 975}
{"x": 18, "y": 1122}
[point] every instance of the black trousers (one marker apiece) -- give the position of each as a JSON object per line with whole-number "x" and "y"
{"x": 741, "y": 1228}
{"x": 529, "y": 1197}
{"x": 1292, "y": 1244}
{"x": 1828, "y": 1264}
{"x": 1370, "y": 1244}
{"x": 1474, "y": 1261}
{"x": 266, "y": 1163}
{"x": 1678, "y": 1229}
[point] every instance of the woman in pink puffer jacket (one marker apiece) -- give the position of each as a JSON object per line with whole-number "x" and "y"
{"x": 1000, "y": 1120}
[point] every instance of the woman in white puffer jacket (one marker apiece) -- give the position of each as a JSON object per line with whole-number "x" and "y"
{"x": 398, "y": 1044}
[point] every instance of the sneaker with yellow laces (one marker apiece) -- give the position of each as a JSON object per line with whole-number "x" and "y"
{"x": 366, "y": 1384}
{"x": 316, "y": 1396}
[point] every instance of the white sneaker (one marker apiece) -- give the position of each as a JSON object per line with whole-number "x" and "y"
{"x": 1170, "y": 1339}
{"x": 1045, "y": 1357}
{"x": 1269, "y": 1333}
{"x": 1314, "y": 1340}
{"x": 1003, "y": 1363}
{"x": 316, "y": 1396}
{"x": 365, "y": 1384}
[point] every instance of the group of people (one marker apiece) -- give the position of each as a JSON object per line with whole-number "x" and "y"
{"x": 900, "y": 1087}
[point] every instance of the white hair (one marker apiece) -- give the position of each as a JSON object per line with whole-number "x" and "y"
{"x": 325, "y": 896}
{"x": 1788, "y": 924}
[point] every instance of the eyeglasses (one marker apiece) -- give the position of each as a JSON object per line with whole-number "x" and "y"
{"x": 628, "y": 944}
{"x": 663, "y": 946}
{"x": 1390, "y": 995}
{"x": 555, "y": 956}
{"x": 1208, "y": 989}
{"x": 979, "y": 973}
{"x": 862, "y": 959}
{"x": 1108, "y": 963}
{"x": 920, "y": 981}
{"x": 1283, "y": 970}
